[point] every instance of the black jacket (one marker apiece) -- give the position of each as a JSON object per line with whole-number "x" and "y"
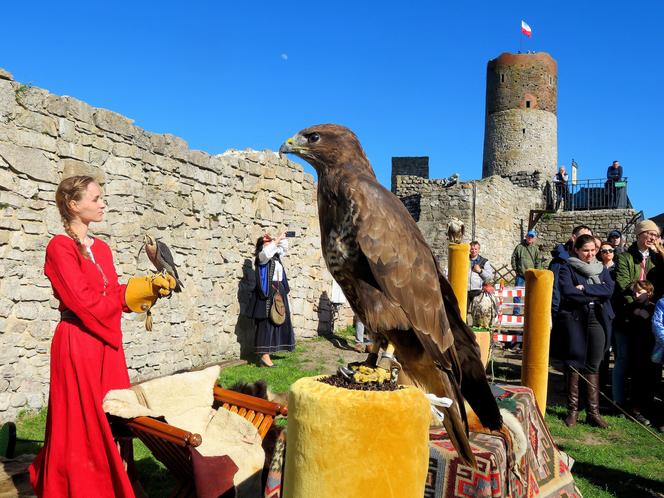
{"x": 570, "y": 327}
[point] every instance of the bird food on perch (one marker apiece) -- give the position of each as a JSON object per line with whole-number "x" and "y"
{"x": 338, "y": 380}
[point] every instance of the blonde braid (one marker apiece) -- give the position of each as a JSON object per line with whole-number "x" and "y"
{"x": 72, "y": 189}
{"x": 72, "y": 234}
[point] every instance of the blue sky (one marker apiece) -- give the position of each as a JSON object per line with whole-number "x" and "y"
{"x": 407, "y": 77}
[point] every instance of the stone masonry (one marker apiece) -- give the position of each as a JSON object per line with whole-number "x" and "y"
{"x": 520, "y": 132}
{"x": 495, "y": 212}
{"x": 208, "y": 208}
{"x": 556, "y": 228}
{"x": 487, "y": 208}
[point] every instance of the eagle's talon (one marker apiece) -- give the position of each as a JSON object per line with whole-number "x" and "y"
{"x": 372, "y": 360}
{"x": 346, "y": 373}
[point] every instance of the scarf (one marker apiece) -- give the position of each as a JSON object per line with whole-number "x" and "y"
{"x": 590, "y": 271}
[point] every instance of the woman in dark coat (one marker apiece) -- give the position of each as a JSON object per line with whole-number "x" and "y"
{"x": 270, "y": 278}
{"x": 584, "y": 322}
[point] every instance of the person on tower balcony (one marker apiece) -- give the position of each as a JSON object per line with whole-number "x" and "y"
{"x": 614, "y": 174}
{"x": 560, "y": 180}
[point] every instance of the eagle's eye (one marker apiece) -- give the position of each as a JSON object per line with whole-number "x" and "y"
{"x": 313, "y": 137}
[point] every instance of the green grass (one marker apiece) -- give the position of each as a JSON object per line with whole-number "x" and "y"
{"x": 291, "y": 366}
{"x": 621, "y": 461}
{"x": 30, "y": 431}
{"x": 348, "y": 333}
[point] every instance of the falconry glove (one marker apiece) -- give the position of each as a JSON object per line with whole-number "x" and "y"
{"x": 143, "y": 292}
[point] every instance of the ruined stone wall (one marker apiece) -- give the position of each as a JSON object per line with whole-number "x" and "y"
{"x": 495, "y": 212}
{"x": 487, "y": 207}
{"x": 209, "y": 209}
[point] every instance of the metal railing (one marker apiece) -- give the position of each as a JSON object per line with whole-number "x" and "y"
{"x": 584, "y": 195}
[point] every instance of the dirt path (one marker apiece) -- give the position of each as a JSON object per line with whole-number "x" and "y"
{"x": 329, "y": 352}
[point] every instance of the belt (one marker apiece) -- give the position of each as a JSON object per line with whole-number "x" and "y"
{"x": 68, "y": 316}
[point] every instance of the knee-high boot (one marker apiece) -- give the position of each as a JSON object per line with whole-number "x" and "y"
{"x": 592, "y": 410}
{"x": 572, "y": 391}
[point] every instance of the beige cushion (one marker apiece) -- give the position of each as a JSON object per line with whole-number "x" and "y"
{"x": 124, "y": 403}
{"x": 176, "y": 394}
{"x": 230, "y": 434}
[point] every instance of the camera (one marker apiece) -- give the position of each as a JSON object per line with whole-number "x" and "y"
{"x": 290, "y": 233}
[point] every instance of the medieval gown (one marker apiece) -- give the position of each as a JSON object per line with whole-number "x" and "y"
{"x": 79, "y": 457}
{"x": 271, "y": 338}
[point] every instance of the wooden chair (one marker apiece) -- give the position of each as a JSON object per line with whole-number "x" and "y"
{"x": 171, "y": 445}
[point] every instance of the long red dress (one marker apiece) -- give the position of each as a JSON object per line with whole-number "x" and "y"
{"x": 79, "y": 457}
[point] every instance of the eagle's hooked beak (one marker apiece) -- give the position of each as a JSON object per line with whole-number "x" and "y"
{"x": 292, "y": 146}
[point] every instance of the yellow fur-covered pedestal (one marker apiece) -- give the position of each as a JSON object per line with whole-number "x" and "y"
{"x": 458, "y": 268}
{"x": 348, "y": 443}
{"x": 537, "y": 334}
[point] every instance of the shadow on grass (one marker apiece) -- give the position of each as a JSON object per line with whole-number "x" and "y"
{"x": 28, "y": 447}
{"x": 622, "y": 484}
{"x": 339, "y": 342}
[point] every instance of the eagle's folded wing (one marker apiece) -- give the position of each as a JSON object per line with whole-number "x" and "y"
{"x": 402, "y": 264}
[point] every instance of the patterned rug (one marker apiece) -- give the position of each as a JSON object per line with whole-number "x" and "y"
{"x": 542, "y": 472}
{"x": 274, "y": 482}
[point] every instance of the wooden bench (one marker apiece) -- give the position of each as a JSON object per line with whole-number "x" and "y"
{"x": 171, "y": 445}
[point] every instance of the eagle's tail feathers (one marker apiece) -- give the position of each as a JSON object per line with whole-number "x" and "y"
{"x": 457, "y": 433}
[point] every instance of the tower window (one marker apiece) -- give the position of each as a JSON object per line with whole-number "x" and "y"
{"x": 527, "y": 104}
{"x": 502, "y": 77}
{"x": 523, "y": 130}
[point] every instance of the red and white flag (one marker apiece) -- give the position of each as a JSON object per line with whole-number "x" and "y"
{"x": 525, "y": 29}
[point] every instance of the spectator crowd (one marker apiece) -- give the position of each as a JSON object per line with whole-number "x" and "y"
{"x": 607, "y": 303}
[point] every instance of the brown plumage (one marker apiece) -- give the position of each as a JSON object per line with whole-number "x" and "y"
{"x": 377, "y": 254}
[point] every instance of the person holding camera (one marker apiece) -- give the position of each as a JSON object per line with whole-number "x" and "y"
{"x": 269, "y": 302}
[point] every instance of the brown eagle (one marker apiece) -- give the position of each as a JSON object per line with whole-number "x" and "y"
{"x": 389, "y": 275}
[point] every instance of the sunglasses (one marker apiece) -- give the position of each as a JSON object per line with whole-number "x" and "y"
{"x": 607, "y": 251}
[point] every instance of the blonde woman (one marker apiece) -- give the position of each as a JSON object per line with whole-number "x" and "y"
{"x": 80, "y": 457}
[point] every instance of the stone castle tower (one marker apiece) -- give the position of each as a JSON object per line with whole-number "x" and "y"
{"x": 520, "y": 133}
{"x": 520, "y": 158}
